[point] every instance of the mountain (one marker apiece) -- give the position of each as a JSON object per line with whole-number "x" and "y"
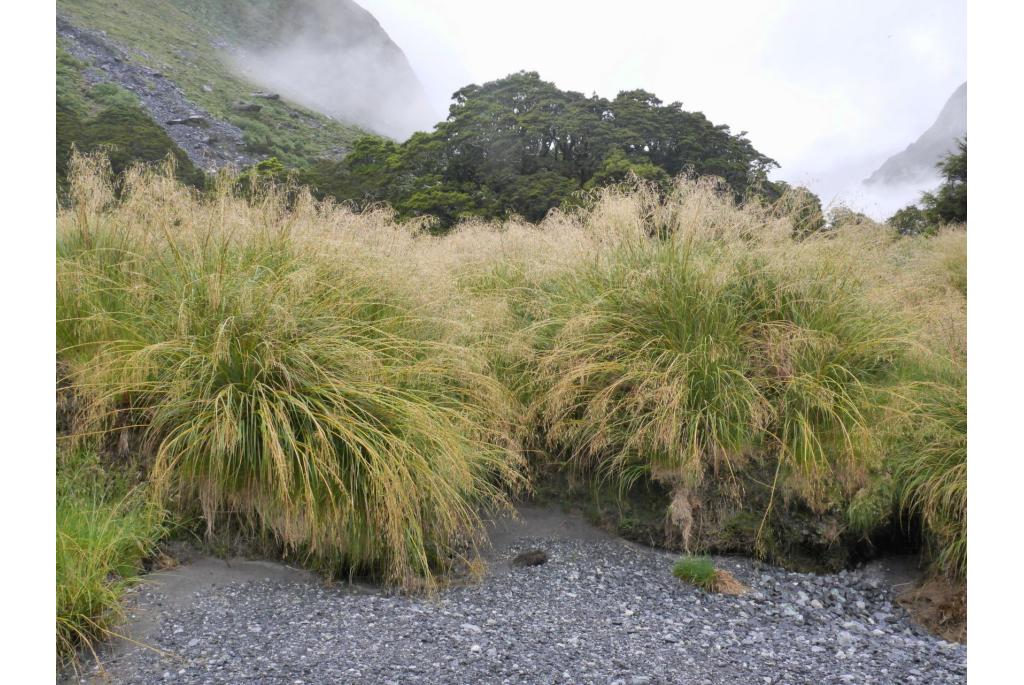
{"x": 334, "y": 57}
{"x": 235, "y": 81}
{"x": 918, "y": 161}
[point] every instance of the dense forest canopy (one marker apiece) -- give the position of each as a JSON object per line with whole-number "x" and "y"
{"x": 521, "y": 145}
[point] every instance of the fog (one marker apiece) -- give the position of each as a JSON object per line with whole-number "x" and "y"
{"x": 842, "y": 184}
{"x": 828, "y": 89}
{"x": 333, "y": 57}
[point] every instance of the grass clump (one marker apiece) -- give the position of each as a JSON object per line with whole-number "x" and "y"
{"x": 701, "y": 572}
{"x": 356, "y": 388}
{"x": 928, "y": 467}
{"x": 301, "y": 396}
{"x": 105, "y": 529}
{"x": 690, "y": 356}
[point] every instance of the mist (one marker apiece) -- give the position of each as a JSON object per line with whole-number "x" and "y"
{"x": 829, "y": 106}
{"x": 830, "y": 90}
{"x": 333, "y": 57}
{"x": 842, "y": 184}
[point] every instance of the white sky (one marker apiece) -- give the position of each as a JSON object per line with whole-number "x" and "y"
{"x": 828, "y": 88}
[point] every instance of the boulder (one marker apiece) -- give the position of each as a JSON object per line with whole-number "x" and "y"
{"x": 192, "y": 120}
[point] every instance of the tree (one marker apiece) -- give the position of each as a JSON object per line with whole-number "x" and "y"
{"x": 909, "y": 221}
{"x": 521, "y": 145}
{"x": 948, "y": 204}
{"x": 617, "y": 168}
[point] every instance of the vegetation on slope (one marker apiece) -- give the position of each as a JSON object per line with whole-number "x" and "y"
{"x": 109, "y": 118}
{"x": 180, "y": 38}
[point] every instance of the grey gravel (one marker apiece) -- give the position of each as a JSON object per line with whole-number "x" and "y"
{"x": 600, "y": 611}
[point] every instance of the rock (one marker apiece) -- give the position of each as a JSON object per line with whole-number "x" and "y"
{"x": 531, "y": 557}
{"x": 207, "y": 88}
{"x": 470, "y": 628}
{"x": 193, "y": 120}
{"x": 265, "y": 95}
{"x": 246, "y": 107}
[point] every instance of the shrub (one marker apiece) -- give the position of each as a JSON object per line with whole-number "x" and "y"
{"x": 348, "y": 384}
{"x": 126, "y": 135}
{"x": 697, "y": 344}
{"x": 802, "y": 208}
{"x": 929, "y": 466}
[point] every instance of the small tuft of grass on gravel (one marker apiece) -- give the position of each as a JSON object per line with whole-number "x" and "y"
{"x": 105, "y": 529}
{"x": 701, "y": 572}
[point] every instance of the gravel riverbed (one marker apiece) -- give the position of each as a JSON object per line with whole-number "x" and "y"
{"x": 601, "y": 610}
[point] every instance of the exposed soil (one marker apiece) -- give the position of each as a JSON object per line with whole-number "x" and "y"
{"x": 940, "y": 606}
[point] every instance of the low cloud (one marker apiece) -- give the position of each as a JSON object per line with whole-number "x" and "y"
{"x": 332, "y": 56}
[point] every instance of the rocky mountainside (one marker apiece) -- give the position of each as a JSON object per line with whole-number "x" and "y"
{"x": 233, "y": 82}
{"x": 208, "y": 141}
{"x": 918, "y": 161}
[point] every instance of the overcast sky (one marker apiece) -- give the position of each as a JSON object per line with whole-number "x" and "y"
{"x": 828, "y": 88}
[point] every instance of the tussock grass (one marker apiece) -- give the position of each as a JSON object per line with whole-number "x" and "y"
{"x": 104, "y": 531}
{"x": 928, "y": 467}
{"x": 359, "y": 388}
{"x": 701, "y": 572}
{"x": 297, "y": 394}
{"x": 684, "y": 361}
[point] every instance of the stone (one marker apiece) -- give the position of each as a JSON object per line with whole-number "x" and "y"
{"x": 531, "y": 557}
{"x": 192, "y": 120}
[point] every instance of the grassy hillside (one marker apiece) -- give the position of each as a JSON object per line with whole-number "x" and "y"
{"x": 185, "y": 40}
{"x": 109, "y": 118}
